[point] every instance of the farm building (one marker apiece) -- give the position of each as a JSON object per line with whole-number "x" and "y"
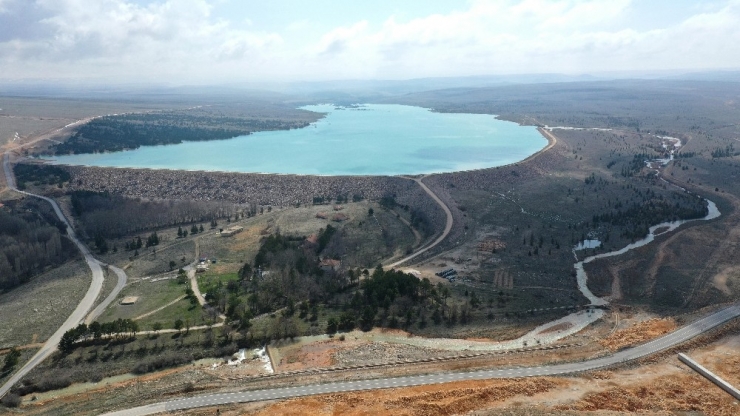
{"x": 231, "y": 231}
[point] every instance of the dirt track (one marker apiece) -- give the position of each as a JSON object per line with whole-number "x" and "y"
{"x": 447, "y": 229}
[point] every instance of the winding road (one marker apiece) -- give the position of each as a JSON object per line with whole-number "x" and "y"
{"x": 122, "y": 278}
{"x": 87, "y": 302}
{"x": 448, "y": 225}
{"x": 667, "y": 341}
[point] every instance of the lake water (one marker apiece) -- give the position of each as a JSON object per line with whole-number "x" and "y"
{"x": 372, "y": 139}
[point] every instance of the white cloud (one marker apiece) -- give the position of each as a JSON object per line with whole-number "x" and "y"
{"x": 502, "y": 36}
{"x": 182, "y": 41}
{"x": 115, "y": 38}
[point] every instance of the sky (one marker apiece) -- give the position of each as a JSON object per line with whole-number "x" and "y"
{"x": 208, "y": 42}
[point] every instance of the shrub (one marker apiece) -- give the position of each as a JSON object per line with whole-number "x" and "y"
{"x": 53, "y": 383}
{"x": 158, "y": 363}
{"x": 11, "y": 400}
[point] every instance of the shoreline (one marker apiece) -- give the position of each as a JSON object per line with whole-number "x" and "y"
{"x": 549, "y": 137}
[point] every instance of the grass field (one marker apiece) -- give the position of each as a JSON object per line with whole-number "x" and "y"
{"x": 191, "y": 315}
{"x": 151, "y": 295}
{"x": 33, "y": 311}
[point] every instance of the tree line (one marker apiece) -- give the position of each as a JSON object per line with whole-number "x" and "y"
{"x": 288, "y": 275}
{"x": 637, "y": 218}
{"x": 31, "y": 240}
{"x": 130, "y": 131}
{"x": 114, "y": 216}
{"x": 39, "y": 175}
{"x": 120, "y": 328}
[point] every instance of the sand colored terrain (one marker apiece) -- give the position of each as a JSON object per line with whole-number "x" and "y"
{"x": 664, "y": 388}
{"x": 638, "y": 334}
{"x": 450, "y": 399}
{"x": 726, "y": 275}
{"x": 677, "y": 389}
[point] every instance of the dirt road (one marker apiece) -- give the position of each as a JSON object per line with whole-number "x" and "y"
{"x": 83, "y": 307}
{"x": 445, "y": 233}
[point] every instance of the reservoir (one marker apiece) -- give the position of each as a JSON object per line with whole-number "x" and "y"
{"x": 371, "y": 139}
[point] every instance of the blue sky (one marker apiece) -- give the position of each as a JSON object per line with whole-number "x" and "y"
{"x": 218, "y": 41}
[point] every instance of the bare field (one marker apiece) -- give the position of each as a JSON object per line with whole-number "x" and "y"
{"x": 638, "y": 334}
{"x": 14, "y": 129}
{"x": 452, "y": 398}
{"x": 31, "y": 117}
{"x": 667, "y": 387}
{"x": 33, "y": 311}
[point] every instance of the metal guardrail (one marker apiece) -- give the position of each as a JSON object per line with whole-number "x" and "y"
{"x": 709, "y": 375}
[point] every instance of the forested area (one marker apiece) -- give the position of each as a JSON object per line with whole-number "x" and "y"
{"x": 129, "y": 131}
{"x": 39, "y": 175}
{"x": 288, "y": 275}
{"x": 285, "y": 270}
{"x": 646, "y": 208}
{"x": 30, "y": 241}
{"x": 107, "y": 215}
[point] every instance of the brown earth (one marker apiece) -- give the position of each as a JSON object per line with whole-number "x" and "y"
{"x": 447, "y": 399}
{"x": 667, "y": 387}
{"x": 687, "y": 392}
{"x": 638, "y": 334}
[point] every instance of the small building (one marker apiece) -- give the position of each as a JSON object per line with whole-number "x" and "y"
{"x": 129, "y": 300}
{"x": 231, "y": 231}
{"x": 200, "y": 268}
{"x": 330, "y": 264}
{"x": 339, "y": 217}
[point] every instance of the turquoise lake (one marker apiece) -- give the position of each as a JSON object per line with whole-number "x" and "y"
{"x": 372, "y": 139}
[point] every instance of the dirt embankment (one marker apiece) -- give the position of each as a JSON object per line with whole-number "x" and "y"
{"x": 450, "y": 399}
{"x": 683, "y": 391}
{"x": 638, "y": 334}
{"x": 665, "y": 387}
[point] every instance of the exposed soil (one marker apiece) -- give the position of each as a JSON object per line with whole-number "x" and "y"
{"x": 666, "y": 387}
{"x": 449, "y": 399}
{"x": 638, "y": 334}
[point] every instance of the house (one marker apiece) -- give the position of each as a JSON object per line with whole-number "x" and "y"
{"x": 312, "y": 239}
{"x": 231, "y": 231}
{"x": 330, "y": 264}
{"x": 339, "y": 217}
{"x": 129, "y": 300}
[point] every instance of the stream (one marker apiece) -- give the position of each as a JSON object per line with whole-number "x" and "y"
{"x": 665, "y": 227}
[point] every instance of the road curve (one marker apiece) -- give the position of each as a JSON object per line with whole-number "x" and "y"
{"x": 82, "y": 308}
{"x": 122, "y": 278}
{"x": 445, "y": 233}
{"x": 667, "y": 341}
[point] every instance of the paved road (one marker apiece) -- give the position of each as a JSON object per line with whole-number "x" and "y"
{"x": 448, "y": 225}
{"x": 82, "y": 308}
{"x": 122, "y": 278}
{"x": 656, "y": 345}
